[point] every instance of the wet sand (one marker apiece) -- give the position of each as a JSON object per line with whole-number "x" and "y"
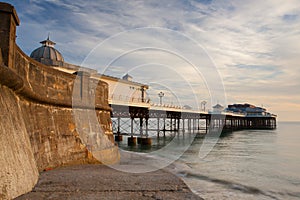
{"x": 103, "y": 182}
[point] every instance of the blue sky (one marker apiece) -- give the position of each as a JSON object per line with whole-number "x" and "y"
{"x": 253, "y": 46}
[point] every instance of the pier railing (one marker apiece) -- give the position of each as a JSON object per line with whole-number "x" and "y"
{"x": 128, "y": 101}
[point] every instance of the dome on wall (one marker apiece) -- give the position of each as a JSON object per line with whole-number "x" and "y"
{"x": 47, "y": 54}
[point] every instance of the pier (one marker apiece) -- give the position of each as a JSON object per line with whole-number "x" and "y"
{"x": 135, "y": 115}
{"x": 136, "y": 118}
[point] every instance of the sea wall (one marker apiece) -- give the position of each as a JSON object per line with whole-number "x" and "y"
{"x": 18, "y": 172}
{"x": 48, "y": 118}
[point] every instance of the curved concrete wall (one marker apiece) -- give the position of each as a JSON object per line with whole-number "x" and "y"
{"x": 18, "y": 172}
{"x": 46, "y": 120}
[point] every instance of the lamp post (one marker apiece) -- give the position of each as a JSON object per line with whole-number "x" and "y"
{"x": 161, "y": 95}
{"x": 143, "y": 94}
{"x": 203, "y": 103}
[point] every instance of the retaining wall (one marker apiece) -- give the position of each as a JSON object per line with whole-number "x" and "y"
{"x": 48, "y": 118}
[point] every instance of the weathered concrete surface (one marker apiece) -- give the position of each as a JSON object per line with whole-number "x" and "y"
{"x": 37, "y": 134}
{"x": 18, "y": 171}
{"x": 101, "y": 182}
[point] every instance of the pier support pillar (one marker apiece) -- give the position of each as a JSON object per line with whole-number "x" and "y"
{"x": 207, "y": 123}
{"x": 145, "y": 141}
{"x": 118, "y": 125}
{"x": 158, "y": 126}
{"x": 147, "y": 123}
{"x": 131, "y": 126}
{"x": 164, "y": 127}
{"x": 141, "y": 126}
{"x": 118, "y": 138}
{"x": 131, "y": 141}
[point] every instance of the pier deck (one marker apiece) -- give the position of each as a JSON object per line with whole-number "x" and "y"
{"x": 139, "y": 118}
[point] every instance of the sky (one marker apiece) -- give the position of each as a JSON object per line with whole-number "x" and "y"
{"x": 223, "y": 52}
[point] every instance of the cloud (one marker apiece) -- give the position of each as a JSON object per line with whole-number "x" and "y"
{"x": 254, "y": 44}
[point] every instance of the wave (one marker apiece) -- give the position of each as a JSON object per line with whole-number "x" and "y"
{"x": 238, "y": 186}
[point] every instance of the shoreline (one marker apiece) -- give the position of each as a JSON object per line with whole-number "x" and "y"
{"x": 93, "y": 181}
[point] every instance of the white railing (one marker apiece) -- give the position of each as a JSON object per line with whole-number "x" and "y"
{"x": 128, "y": 101}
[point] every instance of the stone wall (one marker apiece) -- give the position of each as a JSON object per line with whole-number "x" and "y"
{"x": 18, "y": 172}
{"x": 48, "y": 118}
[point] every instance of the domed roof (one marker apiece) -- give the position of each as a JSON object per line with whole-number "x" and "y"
{"x": 47, "y": 54}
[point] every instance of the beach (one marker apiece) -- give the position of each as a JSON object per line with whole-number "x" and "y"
{"x": 103, "y": 182}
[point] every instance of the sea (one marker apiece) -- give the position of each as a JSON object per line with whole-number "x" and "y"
{"x": 247, "y": 164}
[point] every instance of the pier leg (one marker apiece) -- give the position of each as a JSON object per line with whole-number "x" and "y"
{"x": 141, "y": 131}
{"x": 164, "y": 127}
{"x": 131, "y": 140}
{"x": 119, "y": 119}
{"x": 146, "y": 141}
{"x": 146, "y": 120}
{"x": 207, "y": 123}
{"x": 118, "y": 137}
{"x": 158, "y": 127}
{"x": 131, "y": 127}
{"x": 141, "y": 126}
{"x": 174, "y": 124}
{"x": 193, "y": 124}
